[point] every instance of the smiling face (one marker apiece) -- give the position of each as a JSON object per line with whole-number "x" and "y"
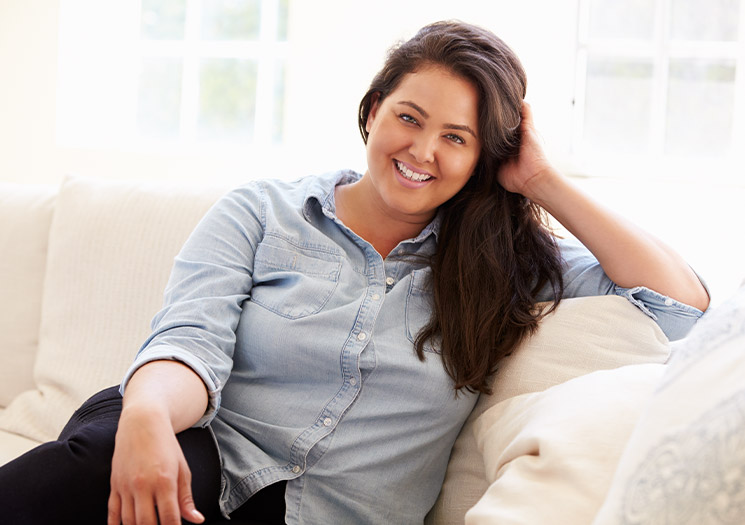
{"x": 423, "y": 143}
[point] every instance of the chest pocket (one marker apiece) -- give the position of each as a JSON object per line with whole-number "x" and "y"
{"x": 293, "y": 282}
{"x": 419, "y": 307}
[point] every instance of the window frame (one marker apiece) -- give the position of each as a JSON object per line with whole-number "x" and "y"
{"x": 268, "y": 52}
{"x": 659, "y": 51}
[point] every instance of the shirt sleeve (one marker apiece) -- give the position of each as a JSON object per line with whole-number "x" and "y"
{"x": 583, "y": 276}
{"x": 210, "y": 279}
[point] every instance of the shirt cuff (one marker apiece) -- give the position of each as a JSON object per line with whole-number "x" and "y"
{"x": 674, "y": 318}
{"x": 170, "y": 353}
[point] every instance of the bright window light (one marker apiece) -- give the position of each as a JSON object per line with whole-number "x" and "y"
{"x": 661, "y": 85}
{"x": 174, "y": 73}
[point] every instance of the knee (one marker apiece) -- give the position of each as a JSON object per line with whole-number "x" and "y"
{"x": 91, "y": 448}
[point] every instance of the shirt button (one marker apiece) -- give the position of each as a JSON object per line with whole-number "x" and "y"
{"x": 375, "y": 296}
{"x": 668, "y": 302}
{"x": 327, "y": 422}
{"x": 362, "y": 336}
{"x": 389, "y": 281}
{"x": 352, "y": 381}
{"x": 296, "y": 469}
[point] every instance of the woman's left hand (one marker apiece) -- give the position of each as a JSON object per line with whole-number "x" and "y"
{"x": 629, "y": 255}
{"x": 522, "y": 173}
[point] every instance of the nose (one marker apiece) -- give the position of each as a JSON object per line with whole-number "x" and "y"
{"x": 423, "y": 147}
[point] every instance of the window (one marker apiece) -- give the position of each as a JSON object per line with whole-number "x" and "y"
{"x": 661, "y": 84}
{"x": 179, "y": 72}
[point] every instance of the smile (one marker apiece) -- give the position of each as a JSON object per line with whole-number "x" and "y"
{"x": 410, "y": 174}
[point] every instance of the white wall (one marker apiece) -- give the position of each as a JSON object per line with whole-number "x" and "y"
{"x": 338, "y": 46}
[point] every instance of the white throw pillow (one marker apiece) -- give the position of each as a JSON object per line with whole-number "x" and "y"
{"x": 111, "y": 248}
{"x": 25, "y": 216}
{"x": 550, "y": 455}
{"x": 685, "y": 462}
{"x": 583, "y": 335}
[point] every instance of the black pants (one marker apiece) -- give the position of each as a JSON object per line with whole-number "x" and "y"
{"x": 67, "y": 481}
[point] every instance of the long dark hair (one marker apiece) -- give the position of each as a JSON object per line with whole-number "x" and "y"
{"x": 494, "y": 250}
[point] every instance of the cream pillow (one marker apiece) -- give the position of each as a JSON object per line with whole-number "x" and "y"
{"x": 25, "y": 216}
{"x": 584, "y": 334}
{"x": 111, "y": 248}
{"x": 685, "y": 462}
{"x": 550, "y": 455}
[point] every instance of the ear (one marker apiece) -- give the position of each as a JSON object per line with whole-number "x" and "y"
{"x": 373, "y": 111}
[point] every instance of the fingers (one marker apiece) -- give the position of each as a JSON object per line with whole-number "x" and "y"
{"x": 185, "y": 498}
{"x": 128, "y": 511}
{"x": 166, "y": 501}
{"x": 165, "y": 505}
{"x": 144, "y": 513}
{"x": 115, "y": 509}
{"x": 527, "y": 115}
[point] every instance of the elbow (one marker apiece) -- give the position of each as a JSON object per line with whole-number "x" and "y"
{"x": 702, "y": 300}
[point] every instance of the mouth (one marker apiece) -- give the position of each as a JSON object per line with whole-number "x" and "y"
{"x": 410, "y": 174}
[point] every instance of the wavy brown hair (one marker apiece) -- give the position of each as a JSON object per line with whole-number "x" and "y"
{"x": 494, "y": 249}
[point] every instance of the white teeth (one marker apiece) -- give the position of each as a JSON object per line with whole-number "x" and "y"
{"x": 411, "y": 175}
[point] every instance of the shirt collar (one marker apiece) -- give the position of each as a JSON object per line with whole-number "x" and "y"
{"x": 321, "y": 191}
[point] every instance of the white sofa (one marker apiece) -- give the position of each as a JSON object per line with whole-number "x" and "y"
{"x": 82, "y": 271}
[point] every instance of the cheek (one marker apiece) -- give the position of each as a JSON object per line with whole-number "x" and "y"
{"x": 460, "y": 167}
{"x": 385, "y": 143}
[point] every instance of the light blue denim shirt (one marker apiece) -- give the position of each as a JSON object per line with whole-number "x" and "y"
{"x": 304, "y": 336}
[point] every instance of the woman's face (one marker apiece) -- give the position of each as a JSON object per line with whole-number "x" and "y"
{"x": 423, "y": 143}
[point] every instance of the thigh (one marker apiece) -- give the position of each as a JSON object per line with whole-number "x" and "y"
{"x": 266, "y": 507}
{"x": 67, "y": 481}
{"x": 104, "y": 407}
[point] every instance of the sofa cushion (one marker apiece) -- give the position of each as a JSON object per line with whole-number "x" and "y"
{"x": 685, "y": 461}
{"x": 12, "y": 445}
{"x": 111, "y": 248}
{"x": 25, "y": 216}
{"x": 550, "y": 456}
{"x": 583, "y": 335}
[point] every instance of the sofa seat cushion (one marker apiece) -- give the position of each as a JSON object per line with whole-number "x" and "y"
{"x": 111, "y": 248}
{"x": 12, "y": 445}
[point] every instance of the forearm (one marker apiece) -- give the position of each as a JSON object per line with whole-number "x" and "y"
{"x": 167, "y": 389}
{"x": 629, "y": 255}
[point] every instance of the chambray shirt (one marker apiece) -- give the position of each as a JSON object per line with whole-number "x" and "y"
{"x": 303, "y": 335}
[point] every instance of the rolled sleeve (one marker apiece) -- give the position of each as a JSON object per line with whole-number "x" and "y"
{"x": 583, "y": 276}
{"x": 673, "y": 317}
{"x": 203, "y": 300}
{"x": 169, "y": 353}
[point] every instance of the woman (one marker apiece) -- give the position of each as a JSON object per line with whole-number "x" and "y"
{"x": 330, "y": 336}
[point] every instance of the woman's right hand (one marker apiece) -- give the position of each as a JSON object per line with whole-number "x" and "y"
{"x": 150, "y": 478}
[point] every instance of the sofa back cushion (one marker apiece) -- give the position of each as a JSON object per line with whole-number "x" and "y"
{"x": 582, "y": 335}
{"x": 111, "y": 248}
{"x": 25, "y": 216}
{"x": 550, "y": 456}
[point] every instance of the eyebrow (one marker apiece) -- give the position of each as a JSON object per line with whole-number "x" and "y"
{"x": 460, "y": 127}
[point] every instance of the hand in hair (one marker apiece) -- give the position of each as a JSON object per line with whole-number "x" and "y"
{"x": 522, "y": 173}
{"x": 629, "y": 255}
